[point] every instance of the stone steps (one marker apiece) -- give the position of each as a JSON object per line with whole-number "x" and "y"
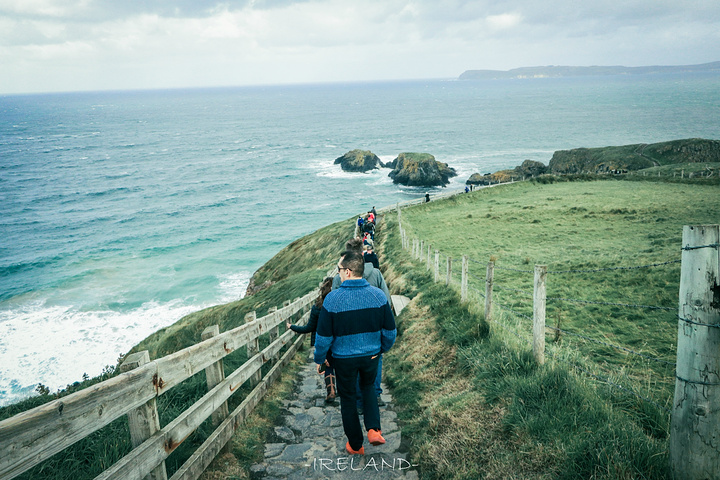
{"x": 311, "y": 441}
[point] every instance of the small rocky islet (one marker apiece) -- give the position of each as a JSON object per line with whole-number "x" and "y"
{"x": 409, "y": 169}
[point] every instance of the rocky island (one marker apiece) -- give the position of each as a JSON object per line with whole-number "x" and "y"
{"x": 359, "y": 161}
{"x": 410, "y": 169}
{"x": 420, "y": 170}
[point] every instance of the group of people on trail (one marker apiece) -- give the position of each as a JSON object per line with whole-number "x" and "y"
{"x": 351, "y": 326}
{"x": 366, "y": 226}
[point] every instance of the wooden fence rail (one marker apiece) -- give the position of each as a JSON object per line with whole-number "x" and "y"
{"x": 33, "y": 436}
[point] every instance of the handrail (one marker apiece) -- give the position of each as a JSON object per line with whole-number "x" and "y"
{"x": 33, "y": 436}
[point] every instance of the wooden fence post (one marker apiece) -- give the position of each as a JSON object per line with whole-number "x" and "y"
{"x": 437, "y": 265}
{"x": 420, "y": 250}
{"x": 428, "y": 264}
{"x": 448, "y": 278}
{"x": 489, "y": 290}
{"x": 253, "y": 348}
{"x": 539, "y": 314}
{"x": 696, "y": 416}
{"x": 464, "y": 280}
{"x": 144, "y": 420}
{"x": 274, "y": 332}
{"x": 215, "y": 374}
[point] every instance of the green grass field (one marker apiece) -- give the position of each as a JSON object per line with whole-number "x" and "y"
{"x": 599, "y": 408}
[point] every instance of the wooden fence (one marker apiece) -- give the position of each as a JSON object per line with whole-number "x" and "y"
{"x": 695, "y": 415}
{"x": 35, "y": 435}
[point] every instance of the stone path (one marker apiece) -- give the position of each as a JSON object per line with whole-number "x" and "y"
{"x": 311, "y": 443}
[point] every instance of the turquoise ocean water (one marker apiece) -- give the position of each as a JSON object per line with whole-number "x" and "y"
{"x": 120, "y": 212}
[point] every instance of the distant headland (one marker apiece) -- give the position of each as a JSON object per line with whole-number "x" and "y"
{"x": 556, "y": 71}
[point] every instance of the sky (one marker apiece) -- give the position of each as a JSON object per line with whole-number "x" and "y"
{"x": 80, "y": 45}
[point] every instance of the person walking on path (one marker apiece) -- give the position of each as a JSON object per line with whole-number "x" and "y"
{"x": 311, "y": 327}
{"x": 373, "y": 275}
{"x": 375, "y": 278}
{"x": 370, "y": 256}
{"x": 357, "y": 324}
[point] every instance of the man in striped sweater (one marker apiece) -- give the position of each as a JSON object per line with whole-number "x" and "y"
{"x": 357, "y": 324}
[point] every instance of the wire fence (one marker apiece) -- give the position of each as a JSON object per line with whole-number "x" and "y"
{"x": 511, "y": 301}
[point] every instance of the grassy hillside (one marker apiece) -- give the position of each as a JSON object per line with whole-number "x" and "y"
{"x": 479, "y": 407}
{"x": 293, "y": 272}
{"x": 634, "y": 157}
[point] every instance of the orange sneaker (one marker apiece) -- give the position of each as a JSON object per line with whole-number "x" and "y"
{"x": 375, "y": 437}
{"x": 349, "y": 449}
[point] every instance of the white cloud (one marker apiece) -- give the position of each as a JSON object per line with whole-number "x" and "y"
{"x": 503, "y": 21}
{"x": 97, "y": 44}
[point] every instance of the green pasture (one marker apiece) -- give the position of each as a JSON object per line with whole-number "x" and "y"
{"x": 612, "y": 252}
{"x": 599, "y": 407}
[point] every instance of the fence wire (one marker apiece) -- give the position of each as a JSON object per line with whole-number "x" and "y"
{"x": 609, "y": 382}
{"x": 525, "y": 339}
{"x": 618, "y": 347}
{"x": 589, "y": 302}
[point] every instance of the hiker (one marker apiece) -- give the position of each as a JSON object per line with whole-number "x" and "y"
{"x": 427, "y": 197}
{"x": 373, "y": 275}
{"x": 357, "y": 323}
{"x": 369, "y": 256}
{"x": 311, "y": 327}
{"x": 369, "y": 228}
{"x": 375, "y": 278}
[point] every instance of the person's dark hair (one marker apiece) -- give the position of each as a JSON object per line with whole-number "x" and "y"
{"x": 354, "y": 261}
{"x": 325, "y": 288}
{"x": 354, "y": 244}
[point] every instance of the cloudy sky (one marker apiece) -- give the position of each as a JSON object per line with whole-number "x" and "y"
{"x": 68, "y": 45}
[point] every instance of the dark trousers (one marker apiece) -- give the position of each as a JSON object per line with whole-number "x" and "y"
{"x": 347, "y": 371}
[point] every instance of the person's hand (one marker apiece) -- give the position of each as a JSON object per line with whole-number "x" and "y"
{"x": 322, "y": 366}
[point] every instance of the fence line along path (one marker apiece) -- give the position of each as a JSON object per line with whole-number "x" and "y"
{"x": 310, "y": 443}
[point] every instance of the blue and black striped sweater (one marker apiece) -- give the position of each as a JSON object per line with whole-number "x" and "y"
{"x": 355, "y": 321}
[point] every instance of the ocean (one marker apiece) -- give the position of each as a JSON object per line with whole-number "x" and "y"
{"x": 121, "y": 212}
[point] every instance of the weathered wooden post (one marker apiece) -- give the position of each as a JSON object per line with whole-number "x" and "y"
{"x": 420, "y": 250}
{"x": 274, "y": 332}
{"x": 215, "y": 374}
{"x": 437, "y": 265}
{"x": 144, "y": 420}
{"x": 489, "y": 290}
{"x": 539, "y": 314}
{"x": 695, "y": 425}
{"x": 448, "y": 277}
{"x": 428, "y": 264}
{"x": 253, "y": 348}
{"x": 464, "y": 280}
